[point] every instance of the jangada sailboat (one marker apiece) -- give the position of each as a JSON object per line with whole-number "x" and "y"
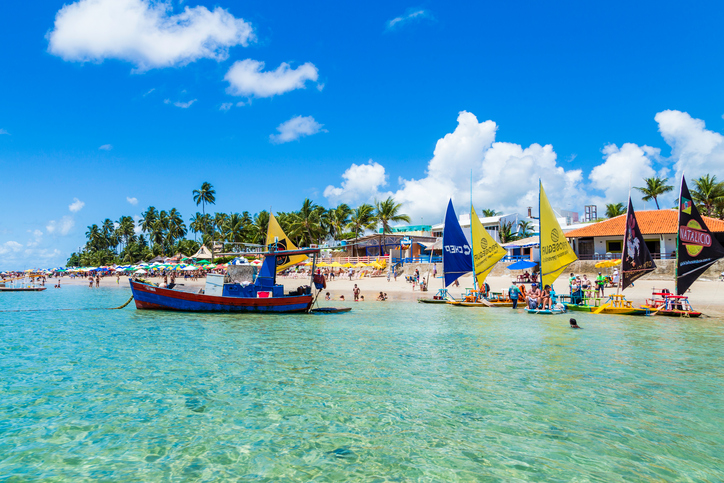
{"x": 555, "y": 252}
{"x": 486, "y": 253}
{"x": 636, "y": 261}
{"x": 696, "y": 250}
{"x": 456, "y": 255}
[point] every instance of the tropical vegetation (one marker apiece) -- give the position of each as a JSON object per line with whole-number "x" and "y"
{"x": 615, "y": 209}
{"x": 164, "y": 232}
{"x": 655, "y": 187}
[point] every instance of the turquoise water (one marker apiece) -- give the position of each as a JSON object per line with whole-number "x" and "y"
{"x": 389, "y": 392}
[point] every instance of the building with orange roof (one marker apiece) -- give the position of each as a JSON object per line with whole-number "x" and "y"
{"x": 604, "y": 239}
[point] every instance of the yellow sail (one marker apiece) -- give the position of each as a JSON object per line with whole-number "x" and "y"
{"x": 486, "y": 251}
{"x": 282, "y": 243}
{"x": 555, "y": 252}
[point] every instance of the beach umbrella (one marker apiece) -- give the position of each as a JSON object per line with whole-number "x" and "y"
{"x": 189, "y": 268}
{"x": 336, "y": 265}
{"x": 522, "y": 265}
{"x": 348, "y": 265}
{"x": 141, "y": 271}
{"x": 360, "y": 265}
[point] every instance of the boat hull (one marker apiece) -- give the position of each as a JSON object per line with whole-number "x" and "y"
{"x": 480, "y": 304}
{"x": 148, "y": 297}
{"x": 22, "y": 289}
{"x": 431, "y": 301}
{"x": 545, "y": 312}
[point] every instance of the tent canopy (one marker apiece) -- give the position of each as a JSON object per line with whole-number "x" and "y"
{"x": 203, "y": 253}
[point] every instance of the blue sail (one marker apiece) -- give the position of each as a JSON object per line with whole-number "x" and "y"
{"x": 456, "y": 258}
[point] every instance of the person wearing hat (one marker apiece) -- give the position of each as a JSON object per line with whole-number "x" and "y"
{"x": 600, "y": 284}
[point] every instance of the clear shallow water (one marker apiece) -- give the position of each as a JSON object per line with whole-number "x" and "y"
{"x": 390, "y": 391}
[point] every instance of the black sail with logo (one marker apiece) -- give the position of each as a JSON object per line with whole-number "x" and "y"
{"x": 636, "y": 261}
{"x": 696, "y": 249}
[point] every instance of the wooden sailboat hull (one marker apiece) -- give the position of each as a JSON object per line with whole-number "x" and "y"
{"x": 480, "y": 304}
{"x": 432, "y": 301}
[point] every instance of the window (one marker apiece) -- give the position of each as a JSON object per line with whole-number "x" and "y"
{"x": 614, "y": 246}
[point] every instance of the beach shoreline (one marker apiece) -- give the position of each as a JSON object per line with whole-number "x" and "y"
{"x": 705, "y": 295}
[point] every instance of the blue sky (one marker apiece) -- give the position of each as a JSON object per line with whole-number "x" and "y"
{"x": 353, "y": 102}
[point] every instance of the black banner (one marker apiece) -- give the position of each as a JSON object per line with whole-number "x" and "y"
{"x": 636, "y": 261}
{"x": 696, "y": 248}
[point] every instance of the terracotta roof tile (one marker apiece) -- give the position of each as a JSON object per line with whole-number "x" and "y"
{"x": 651, "y": 222}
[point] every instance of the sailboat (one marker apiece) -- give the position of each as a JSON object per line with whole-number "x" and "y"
{"x": 486, "y": 253}
{"x": 696, "y": 250}
{"x": 456, "y": 255}
{"x": 555, "y": 252}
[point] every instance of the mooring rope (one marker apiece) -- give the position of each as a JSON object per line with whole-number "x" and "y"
{"x": 65, "y": 310}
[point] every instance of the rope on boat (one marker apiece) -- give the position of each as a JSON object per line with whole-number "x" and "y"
{"x": 65, "y": 310}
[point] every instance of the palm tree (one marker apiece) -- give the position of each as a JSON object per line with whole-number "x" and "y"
{"x": 506, "y": 232}
{"x": 654, "y": 188}
{"x": 198, "y": 223}
{"x": 524, "y": 229}
{"x": 95, "y": 237}
{"x": 176, "y": 226}
{"x": 207, "y": 194}
{"x": 306, "y": 223}
{"x": 362, "y": 219}
{"x": 488, "y": 213}
{"x": 386, "y": 212}
{"x": 260, "y": 227}
{"x": 615, "y": 209}
{"x": 233, "y": 228}
{"x": 338, "y": 219}
{"x": 126, "y": 229}
{"x": 149, "y": 218}
{"x": 708, "y": 194}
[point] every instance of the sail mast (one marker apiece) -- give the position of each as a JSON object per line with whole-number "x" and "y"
{"x": 472, "y": 252}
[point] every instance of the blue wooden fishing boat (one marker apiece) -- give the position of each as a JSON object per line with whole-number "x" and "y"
{"x": 263, "y": 295}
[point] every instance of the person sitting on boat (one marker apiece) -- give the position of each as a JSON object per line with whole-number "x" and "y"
{"x": 585, "y": 283}
{"x": 533, "y": 296}
{"x": 545, "y": 298}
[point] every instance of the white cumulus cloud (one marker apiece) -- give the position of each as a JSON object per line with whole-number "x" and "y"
{"x": 144, "y": 32}
{"x": 76, "y": 205}
{"x": 361, "y": 184}
{"x": 3, "y": 131}
{"x": 247, "y": 78}
{"x": 133, "y": 201}
{"x": 505, "y": 176}
{"x": 106, "y": 147}
{"x": 295, "y": 128}
{"x": 226, "y": 106}
{"x": 695, "y": 150}
{"x": 623, "y": 167}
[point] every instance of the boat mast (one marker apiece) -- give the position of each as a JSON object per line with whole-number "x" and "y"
{"x": 472, "y": 256}
{"x": 678, "y": 240}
